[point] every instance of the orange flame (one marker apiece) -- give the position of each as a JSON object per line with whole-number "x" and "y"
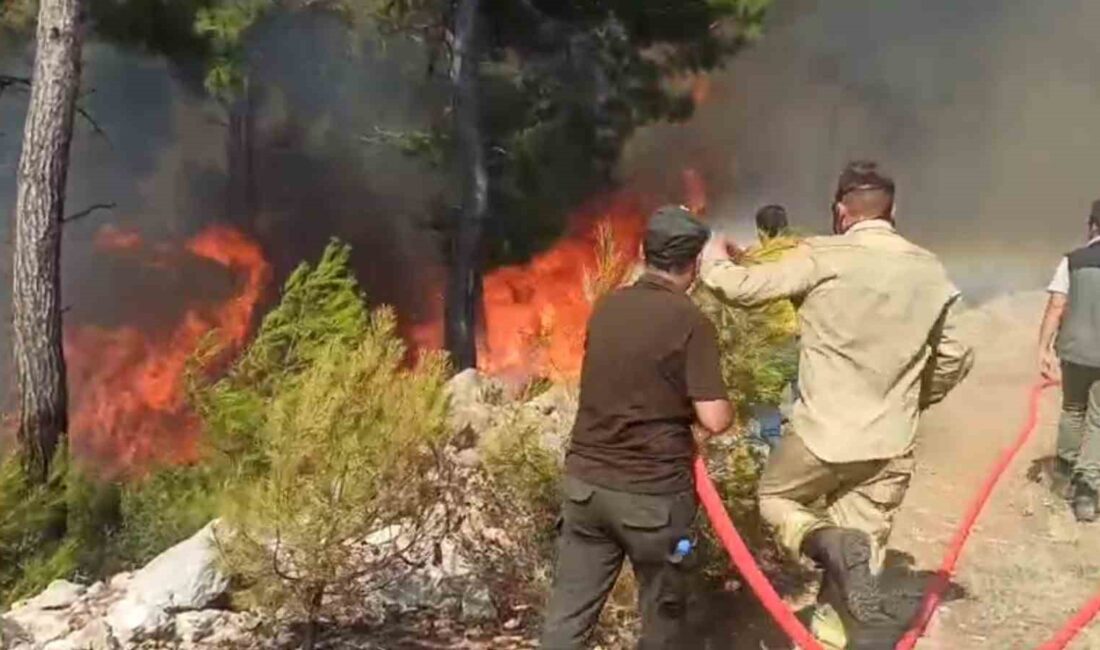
{"x": 536, "y": 314}
{"x": 696, "y": 191}
{"x": 700, "y": 89}
{"x": 128, "y": 385}
{"x": 113, "y": 238}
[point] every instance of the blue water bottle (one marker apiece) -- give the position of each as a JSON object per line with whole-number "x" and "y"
{"x": 681, "y": 551}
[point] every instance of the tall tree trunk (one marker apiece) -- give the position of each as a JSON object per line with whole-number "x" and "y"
{"x": 40, "y": 204}
{"x": 463, "y": 296}
{"x": 240, "y": 159}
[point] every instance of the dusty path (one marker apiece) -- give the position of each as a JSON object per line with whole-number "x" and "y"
{"x": 1028, "y": 565}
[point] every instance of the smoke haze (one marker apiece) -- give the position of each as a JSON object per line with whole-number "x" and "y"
{"x": 163, "y": 162}
{"x": 985, "y": 112}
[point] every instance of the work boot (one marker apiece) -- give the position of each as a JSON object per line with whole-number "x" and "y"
{"x": 844, "y": 554}
{"x": 1084, "y": 503}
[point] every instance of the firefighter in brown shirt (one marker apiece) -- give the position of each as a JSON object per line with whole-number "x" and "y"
{"x": 651, "y": 374}
{"x": 878, "y": 322}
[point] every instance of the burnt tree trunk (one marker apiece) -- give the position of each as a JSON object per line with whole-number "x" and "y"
{"x": 39, "y": 206}
{"x": 463, "y": 297}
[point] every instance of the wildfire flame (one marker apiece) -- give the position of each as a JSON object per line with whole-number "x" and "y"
{"x": 536, "y": 314}
{"x": 700, "y": 89}
{"x": 128, "y": 385}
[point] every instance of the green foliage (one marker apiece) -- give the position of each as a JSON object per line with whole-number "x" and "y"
{"x": 524, "y": 472}
{"x": 735, "y": 468}
{"x": 758, "y": 346}
{"x": 160, "y": 511}
{"x": 58, "y": 529}
{"x": 320, "y": 307}
{"x": 326, "y": 437}
{"x": 224, "y": 26}
{"x": 432, "y": 145}
{"x": 32, "y": 520}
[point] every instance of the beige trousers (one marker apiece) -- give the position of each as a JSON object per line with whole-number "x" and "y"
{"x": 800, "y": 493}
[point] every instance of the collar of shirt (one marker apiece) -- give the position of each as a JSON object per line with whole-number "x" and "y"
{"x": 872, "y": 224}
{"x": 654, "y": 281}
{"x": 1094, "y": 240}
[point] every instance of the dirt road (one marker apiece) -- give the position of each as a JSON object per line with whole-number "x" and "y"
{"x": 1028, "y": 565}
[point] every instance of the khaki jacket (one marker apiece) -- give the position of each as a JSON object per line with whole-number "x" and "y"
{"x": 878, "y": 319}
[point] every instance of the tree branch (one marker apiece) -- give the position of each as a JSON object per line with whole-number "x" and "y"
{"x": 87, "y": 211}
{"x": 7, "y": 81}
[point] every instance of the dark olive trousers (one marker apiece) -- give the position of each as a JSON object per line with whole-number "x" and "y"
{"x": 601, "y": 527}
{"x": 1079, "y": 428}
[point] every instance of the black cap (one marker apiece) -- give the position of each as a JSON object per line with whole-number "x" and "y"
{"x": 674, "y": 238}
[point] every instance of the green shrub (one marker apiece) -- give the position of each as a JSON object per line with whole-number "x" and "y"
{"x": 324, "y": 438}
{"x": 32, "y": 522}
{"x": 519, "y": 493}
{"x": 160, "y": 511}
{"x": 758, "y": 346}
{"x": 58, "y": 529}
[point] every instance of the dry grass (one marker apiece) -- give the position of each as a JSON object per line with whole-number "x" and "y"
{"x": 613, "y": 266}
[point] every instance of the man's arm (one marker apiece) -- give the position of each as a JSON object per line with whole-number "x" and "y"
{"x": 951, "y": 358}
{"x": 705, "y": 386}
{"x": 792, "y": 276}
{"x": 1052, "y": 320}
{"x": 715, "y": 417}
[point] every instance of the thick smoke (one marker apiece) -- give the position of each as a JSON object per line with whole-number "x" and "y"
{"x": 986, "y": 112}
{"x": 319, "y": 174}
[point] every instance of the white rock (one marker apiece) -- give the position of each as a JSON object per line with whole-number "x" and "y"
{"x": 59, "y": 595}
{"x": 120, "y": 581}
{"x": 477, "y": 603}
{"x": 93, "y": 636}
{"x": 11, "y": 635}
{"x": 450, "y": 584}
{"x": 96, "y": 590}
{"x": 40, "y": 626}
{"x": 185, "y": 577}
{"x": 469, "y": 458}
{"x": 196, "y": 626}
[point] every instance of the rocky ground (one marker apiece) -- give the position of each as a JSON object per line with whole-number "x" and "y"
{"x": 446, "y": 600}
{"x": 1026, "y": 569}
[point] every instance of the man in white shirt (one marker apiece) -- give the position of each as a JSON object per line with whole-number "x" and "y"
{"x": 1069, "y": 350}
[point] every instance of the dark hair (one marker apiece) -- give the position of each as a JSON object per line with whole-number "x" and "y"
{"x": 866, "y": 191}
{"x": 1094, "y": 216}
{"x": 771, "y": 220}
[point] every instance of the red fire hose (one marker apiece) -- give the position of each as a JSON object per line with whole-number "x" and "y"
{"x": 947, "y": 569}
{"x": 785, "y": 618}
{"x": 1074, "y": 626}
{"x": 745, "y": 563}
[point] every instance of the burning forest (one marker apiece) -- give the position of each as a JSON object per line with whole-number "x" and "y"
{"x": 128, "y": 382}
{"x": 307, "y": 285}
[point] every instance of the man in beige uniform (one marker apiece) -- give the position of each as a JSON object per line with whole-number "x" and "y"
{"x": 878, "y": 320}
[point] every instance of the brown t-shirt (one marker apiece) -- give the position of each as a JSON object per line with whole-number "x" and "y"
{"x": 649, "y": 354}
